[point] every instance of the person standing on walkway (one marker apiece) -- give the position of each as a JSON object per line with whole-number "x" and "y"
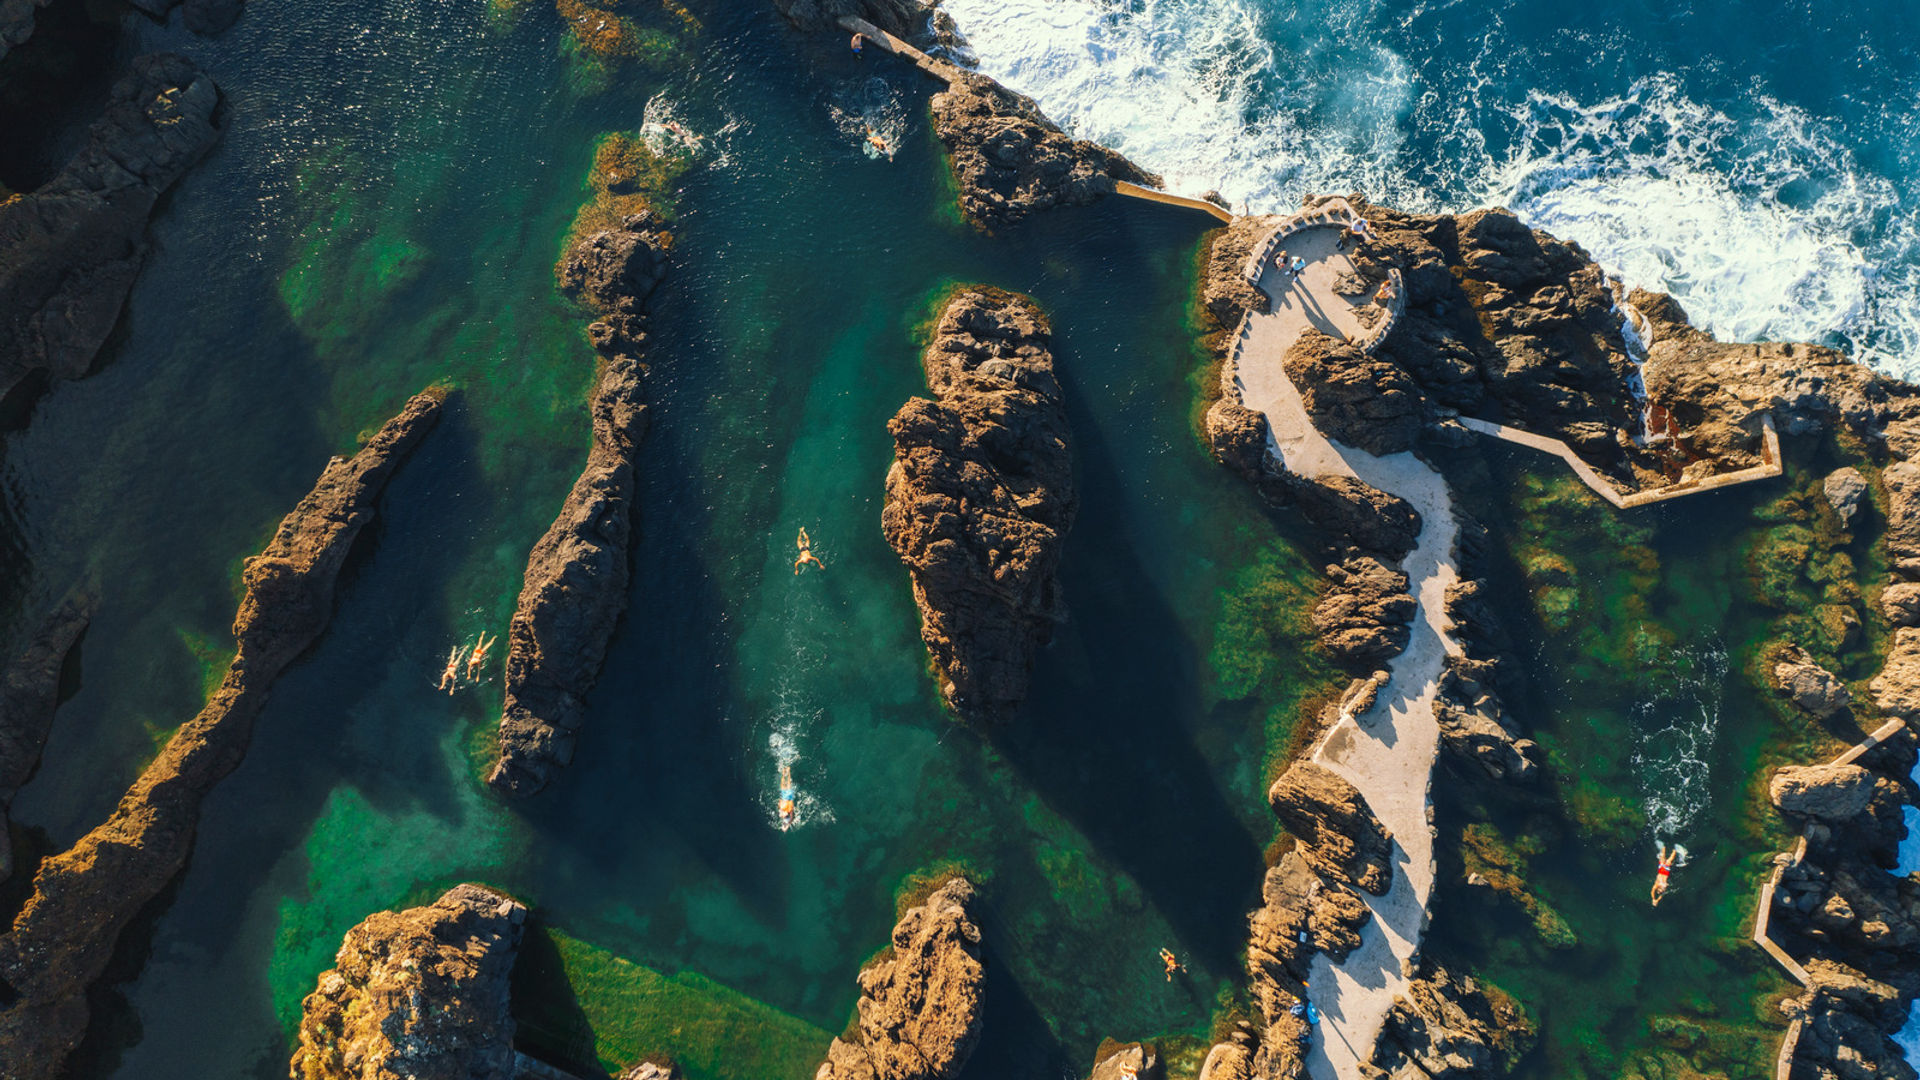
{"x": 1298, "y": 264}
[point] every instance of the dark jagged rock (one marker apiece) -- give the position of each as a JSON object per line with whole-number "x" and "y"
{"x": 16, "y": 23}
{"x": 1010, "y": 160}
{"x": 1475, "y": 727}
{"x": 1810, "y": 686}
{"x": 1358, "y": 513}
{"x": 29, "y": 691}
{"x": 83, "y": 898}
{"x": 980, "y": 498}
{"x": 1362, "y": 619}
{"x": 1338, "y": 832}
{"x": 200, "y": 16}
{"x": 575, "y": 588}
{"x": 1448, "y": 1028}
{"x": 902, "y": 18}
{"x": 1224, "y": 290}
{"x": 1352, "y": 397}
{"x": 420, "y": 994}
{"x": 1845, "y": 1017}
{"x": 69, "y": 251}
{"x": 1896, "y": 690}
{"x": 921, "y": 1001}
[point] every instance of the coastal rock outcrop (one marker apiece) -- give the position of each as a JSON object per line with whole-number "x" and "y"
{"x": 1846, "y": 491}
{"x": 84, "y": 897}
{"x": 1844, "y": 1017}
{"x": 1449, "y": 1027}
{"x": 1900, "y": 603}
{"x": 1338, "y": 832}
{"x": 575, "y": 589}
{"x": 29, "y": 692}
{"x": 1134, "y": 1061}
{"x": 921, "y": 1000}
{"x": 1353, "y": 397}
{"x": 1827, "y": 792}
{"x": 1363, "y": 617}
{"x": 420, "y": 994}
{"x": 1010, "y": 160}
{"x": 1809, "y": 686}
{"x": 69, "y": 251}
{"x": 980, "y": 497}
{"x": 1896, "y": 690}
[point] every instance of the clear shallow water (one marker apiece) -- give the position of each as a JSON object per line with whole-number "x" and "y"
{"x": 384, "y": 211}
{"x": 1754, "y": 160}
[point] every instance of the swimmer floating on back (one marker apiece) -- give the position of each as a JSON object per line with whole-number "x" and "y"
{"x": 789, "y": 813}
{"x": 1668, "y": 860}
{"x": 479, "y": 656}
{"x": 805, "y": 543}
{"x": 1173, "y": 963}
{"x": 450, "y": 678}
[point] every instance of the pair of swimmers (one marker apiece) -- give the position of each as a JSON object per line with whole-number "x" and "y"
{"x": 450, "y": 678}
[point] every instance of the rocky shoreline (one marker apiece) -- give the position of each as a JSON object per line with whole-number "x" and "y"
{"x": 575, "y": 588}
{"x": 980, "y": 498}
{"x": 29, "y": 693}
{"x": 69, "y": 251}
{"x": 85, "y": 897}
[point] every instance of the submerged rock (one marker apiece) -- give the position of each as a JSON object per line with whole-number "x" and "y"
{"x": 1338, "y": 831}
{"x": 84, "y": 897}
{"x": 902, "y": 18}
{"x": 69, "y": 251}
{"x": 420, "y": 994}
{"x": 980, "y": 498}
{"x": 29, "y": 692}
{"x": 921, "y": 1000}
{"x": 1010, "y": 160}
{"x": 575, "y": 588}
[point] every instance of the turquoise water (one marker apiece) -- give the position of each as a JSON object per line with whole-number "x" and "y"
{"x": 384, "y": 211}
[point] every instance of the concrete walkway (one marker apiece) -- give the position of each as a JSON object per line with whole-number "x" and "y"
{"x": 1387, "y": 752}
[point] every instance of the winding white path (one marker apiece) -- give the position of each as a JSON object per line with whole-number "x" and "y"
{"x": 1388, "y": 751}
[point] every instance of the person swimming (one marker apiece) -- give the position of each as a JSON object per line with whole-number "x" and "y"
{"x": 479, "y": 656}
{"x": 1668, "y": 860}
{"x": 450, "y": 678}
{"x": 805, "y": 544}
{"x": 878, "y": 143}
{"x": 1173, "y": 963}
{"x": 789, "y": 812}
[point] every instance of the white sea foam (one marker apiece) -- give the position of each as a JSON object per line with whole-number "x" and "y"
{"x": 1674, "y": 728}
{"x": 1765, "y": 225}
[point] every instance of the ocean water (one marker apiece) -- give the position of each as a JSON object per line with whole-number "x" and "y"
{"x": 1755, "y": 160}
{"x": 385, "y": 211}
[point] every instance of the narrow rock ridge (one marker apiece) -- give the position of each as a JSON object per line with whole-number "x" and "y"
{"x": 1010, "y": 160}
{"x": 69, "y": 251}
{"x": 84, "y": 898}
{"x": 1476, "y": 730}
{"x": 29, "y": 692}
{"x": 921, "y": 1001}
{"x": 577, "y": 575}
{"x": 421, "y": 993}
{"x": 1339, "y": 835}
{"x": 980, "y": 497}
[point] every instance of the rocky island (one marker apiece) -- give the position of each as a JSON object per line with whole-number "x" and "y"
{"x": 980, "y": 498}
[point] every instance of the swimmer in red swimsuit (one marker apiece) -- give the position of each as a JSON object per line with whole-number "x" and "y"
{"x": 1668, "y": 860}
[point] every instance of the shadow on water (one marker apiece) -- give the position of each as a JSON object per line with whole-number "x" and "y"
{"x": 1103, "y": 738}
{"x": 1016, "y": 1041}
{"x": 550, "y": 1025}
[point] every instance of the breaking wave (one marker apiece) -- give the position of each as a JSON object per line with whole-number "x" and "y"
{"x": 1759, "y": 216}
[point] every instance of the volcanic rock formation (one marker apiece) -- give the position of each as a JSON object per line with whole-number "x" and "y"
{"x": 575, "y": 588}
{"x": 1353, "y": 397}
{"x": 921, "y": 1000}
{"x": 83, "y": 898}
{"x": 1338, "y": 831}
{"x": 980, "y": 498}
{"x": 29, "y": 691}
{"x": 1448, "y": 1028}
{"x": 1010, "y": 160}
{"x": 69, "y": 251}
{"x": 1362, "y": 618}
{"x": 420, "y": 994}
